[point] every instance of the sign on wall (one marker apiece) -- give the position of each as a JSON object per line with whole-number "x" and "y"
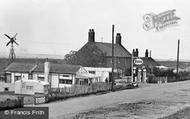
{"x": 138, "y": 61}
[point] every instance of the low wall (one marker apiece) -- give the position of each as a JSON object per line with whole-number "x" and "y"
{"x": 27, "y": 99}
{"x": 9, "y": 86}
{"x": 11, "y": 103}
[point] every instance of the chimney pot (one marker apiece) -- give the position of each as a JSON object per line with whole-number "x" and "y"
{"x": 118, "y": 38}
{"x": 146, "y": 53}
{"x": 91, "y": 35}
{"x": 137, "y": 52}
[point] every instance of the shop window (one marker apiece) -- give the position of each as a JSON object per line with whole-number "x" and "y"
{"x": 17, "y": 78}
{"x": 65, "y": 81}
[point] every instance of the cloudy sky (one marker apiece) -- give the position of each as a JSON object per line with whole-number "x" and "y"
{"x": 58, "y": 26}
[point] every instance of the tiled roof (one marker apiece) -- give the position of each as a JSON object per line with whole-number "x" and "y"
{"x": 106, "y": 48}
{"x": 59, "y": 68}
{"x": 20, "y": 67}
{"x": 54, "y": 68}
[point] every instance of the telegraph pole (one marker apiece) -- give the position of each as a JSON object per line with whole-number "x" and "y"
{"x": 112, "y": 78}
{"x": 132, "y": 67}
{"x": 178, "y": 57}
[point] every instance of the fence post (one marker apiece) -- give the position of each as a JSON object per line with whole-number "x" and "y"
{"x": 21, "y": 101}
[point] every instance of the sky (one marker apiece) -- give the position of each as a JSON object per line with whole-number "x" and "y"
{"x": 56, "y": 27}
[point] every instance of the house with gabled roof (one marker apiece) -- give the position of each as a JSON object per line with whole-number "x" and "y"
{"x": 121, "y": 54}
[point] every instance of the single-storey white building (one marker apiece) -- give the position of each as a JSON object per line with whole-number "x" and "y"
{"x": 103, "y": 73}
{"x": 54, "y": 75}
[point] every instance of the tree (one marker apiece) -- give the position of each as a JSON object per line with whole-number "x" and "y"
{"x": 71, "y": 58}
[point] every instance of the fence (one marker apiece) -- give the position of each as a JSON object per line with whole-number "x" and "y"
{"x": 77, "y": 90}
{"x": 153, "y": 79}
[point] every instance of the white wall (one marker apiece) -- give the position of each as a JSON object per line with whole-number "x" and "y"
{"x": 102, "y": 72}
{"x": 29, "y": 87}
{"x": 54, "y": 81}
{"x": 10, "y": 86}
{"x": 12, "y": 77}
{"x": 24, "y": 76}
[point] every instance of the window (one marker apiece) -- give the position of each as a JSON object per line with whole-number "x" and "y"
{"x": 65, "y": 81}
{"x": 30, "y": 76}
{"x": 92, "y": 72}
{"x": 29, "y": 87}
{"x": 84, "y": 82}
{"x": 65, "y": 75}
{"x": 8, "y": 78}
{"x": 17, "y": 78}
{"x": 40, "y": 78}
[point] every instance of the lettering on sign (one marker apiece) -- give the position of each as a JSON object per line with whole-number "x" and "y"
{"x": 138, "y": 61}
{"x": 160, "y": 21}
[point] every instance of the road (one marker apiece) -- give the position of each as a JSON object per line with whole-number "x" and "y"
{"x": 175, "y": 92}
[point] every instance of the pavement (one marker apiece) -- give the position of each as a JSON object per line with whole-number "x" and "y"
{"x": 175, "y": 92}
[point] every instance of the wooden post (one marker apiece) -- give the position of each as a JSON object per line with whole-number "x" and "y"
{"x": 112, "y": 58}
{"x": 132, "y": 67}
{"x": 178, "y": 58}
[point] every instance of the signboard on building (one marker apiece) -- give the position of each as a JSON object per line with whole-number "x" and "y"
{"x": 138, "y": 61}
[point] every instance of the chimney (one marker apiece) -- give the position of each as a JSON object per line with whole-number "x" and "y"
{"x": 91, "y": 35}
{"x": 137, "y": 52}
{"x": 46, "y": 70}
{"x": 134, "y": 52}
{"x": 146, "y": 53}
{"x": 118, "y": 38}
{"x": 150, "y": 53}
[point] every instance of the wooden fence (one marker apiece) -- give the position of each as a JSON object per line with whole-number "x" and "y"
{"x": 77, "y": 90}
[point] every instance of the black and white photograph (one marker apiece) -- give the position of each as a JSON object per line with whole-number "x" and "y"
{"x": 94, "y": 59}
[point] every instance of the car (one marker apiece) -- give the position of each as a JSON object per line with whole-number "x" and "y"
{"x": 133, "y": 84}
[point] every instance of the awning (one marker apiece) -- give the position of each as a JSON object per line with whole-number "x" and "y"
{"x": 86, "y": 76}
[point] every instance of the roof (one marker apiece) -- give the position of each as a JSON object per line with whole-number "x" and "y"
{"x": 54, "y": 68}
{"x": 59, "y": 68}
{"x": 20, "y": 67}
{"x": 106, "y": 48}
{"x": 4, "y": 62}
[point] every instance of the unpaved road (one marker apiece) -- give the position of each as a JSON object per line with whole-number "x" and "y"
{"x": 169, "y": 97}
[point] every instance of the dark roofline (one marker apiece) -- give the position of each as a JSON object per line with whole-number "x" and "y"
{"x": 115, "y": 44}
{"x": 126, "y": 50}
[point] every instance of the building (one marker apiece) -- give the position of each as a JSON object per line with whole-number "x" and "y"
{"x": 28, "y": 76}
{"x": 121, "y": 54}
{"x": 146, "y": 65}
{"x": 103, "y": 73}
